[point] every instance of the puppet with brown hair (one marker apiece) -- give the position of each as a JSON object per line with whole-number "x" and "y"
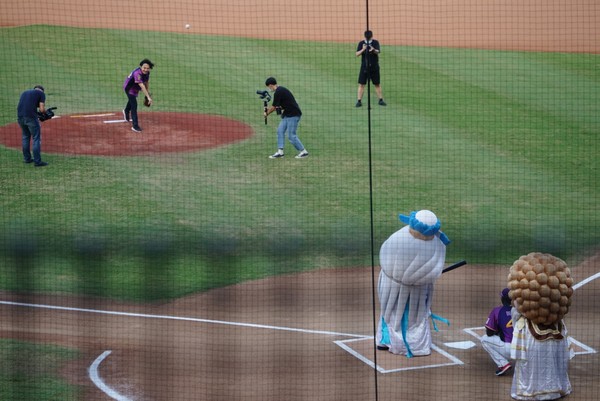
{"x": 540, "y": 289}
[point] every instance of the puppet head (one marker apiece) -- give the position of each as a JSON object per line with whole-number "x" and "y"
{"x": 541, "y": 287}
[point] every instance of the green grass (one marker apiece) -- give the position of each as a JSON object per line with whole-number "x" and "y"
{"x": 31, "y": 372}
{"x": 501, "y": 145}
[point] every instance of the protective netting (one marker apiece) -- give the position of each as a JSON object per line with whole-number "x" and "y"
{"x": 174, "y": 255}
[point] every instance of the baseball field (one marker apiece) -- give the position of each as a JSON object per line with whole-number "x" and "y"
{"x": 184, "y": 264}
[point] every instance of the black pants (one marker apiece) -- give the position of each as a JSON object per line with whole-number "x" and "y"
{"x": 131, "y": 107}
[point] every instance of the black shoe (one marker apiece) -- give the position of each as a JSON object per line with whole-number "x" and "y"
{"x": 40, "y": 164}
{"x": 136, "y": 129}
{"x": 383, "y": 347}
{"x": 382, "y": 103}
{"x": 358, "y": 103}
{"x": 27, "y": 161}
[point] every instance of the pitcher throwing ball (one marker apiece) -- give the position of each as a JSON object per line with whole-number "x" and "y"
{"x": 138, "y": 80}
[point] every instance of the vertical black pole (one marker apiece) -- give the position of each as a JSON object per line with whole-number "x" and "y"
{"x": 373, "y": 281}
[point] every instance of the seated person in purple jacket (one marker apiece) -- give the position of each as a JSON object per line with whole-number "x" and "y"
{"x": 499, "y": 333}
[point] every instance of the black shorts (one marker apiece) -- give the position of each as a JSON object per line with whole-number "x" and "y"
{"x": 373, "y": 74}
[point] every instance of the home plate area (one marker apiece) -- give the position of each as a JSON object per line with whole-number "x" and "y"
{"x": 362, "y": 348}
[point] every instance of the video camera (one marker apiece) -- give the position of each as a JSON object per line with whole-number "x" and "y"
{"x": 264, "y": 95}
{"x": 48, "y": 114}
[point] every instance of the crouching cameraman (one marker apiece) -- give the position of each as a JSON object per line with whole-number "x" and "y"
{"x": 27, "y": 116}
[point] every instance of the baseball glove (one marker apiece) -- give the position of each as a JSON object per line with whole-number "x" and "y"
{"x": 146, "y": 101}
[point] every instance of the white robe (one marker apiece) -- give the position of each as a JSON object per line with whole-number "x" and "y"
{"x": 541, "y": 366}
{"x": 409, "y": 268}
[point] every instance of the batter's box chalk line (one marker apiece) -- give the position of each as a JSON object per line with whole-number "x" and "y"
{"x": 578, "y": 347}
{"x": 346, "y": 345}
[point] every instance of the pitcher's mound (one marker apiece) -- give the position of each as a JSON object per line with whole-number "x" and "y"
{"x": 107, "y": 134}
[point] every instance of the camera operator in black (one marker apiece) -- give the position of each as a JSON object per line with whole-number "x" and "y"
{"x": 30, "y": 102}
{"x": 369, "y": 49}
{"x": 285, "y": 105}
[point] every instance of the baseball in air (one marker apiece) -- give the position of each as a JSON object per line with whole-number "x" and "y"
{"x": 187, "y": 26}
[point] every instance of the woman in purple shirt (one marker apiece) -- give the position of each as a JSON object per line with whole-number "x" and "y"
{"x": 138, "y": 79}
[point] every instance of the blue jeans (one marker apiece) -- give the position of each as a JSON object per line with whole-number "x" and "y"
{"x": 132, "y": 107}
{"x": 289, "y": 124}
{"x": 30, "y": 128}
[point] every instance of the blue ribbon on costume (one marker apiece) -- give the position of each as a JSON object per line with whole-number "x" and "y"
{"x": 435, "y": 317}
{"x": 423, "y": 228}
{"x": 385, "y": 334}
{"x": 404, "y": 327}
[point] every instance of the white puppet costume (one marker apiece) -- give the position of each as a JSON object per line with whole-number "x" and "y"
{"x": 411, "y": 260}
{"x": 541, "y": 289}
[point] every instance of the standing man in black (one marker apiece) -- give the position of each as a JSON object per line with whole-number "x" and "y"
{"x": 369, "y": 49}
{"x": 27, "y": 116}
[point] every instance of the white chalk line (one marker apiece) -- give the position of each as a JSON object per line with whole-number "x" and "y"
{"x": 586, "y": 348}
{"x": 97, "y": 380}
{"x": 585, "y": 281}
{"x": 114, "y": 121}
{"x": 343, "y": 344}
{"x": 93, "y": 370}
{"x": 181, "y": 318}
{"x": 94, "y": 376}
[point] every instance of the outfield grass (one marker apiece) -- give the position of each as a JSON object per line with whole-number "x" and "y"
{"x": 503, "y": 146}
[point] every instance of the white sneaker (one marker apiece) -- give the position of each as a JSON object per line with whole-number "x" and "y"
{"x": 276, "y": 155}
{"x": 302, "y": 154}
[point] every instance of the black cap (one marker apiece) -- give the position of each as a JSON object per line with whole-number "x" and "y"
{"x": 40, "y": 87}
{"x": 368, "y": 35}
{"x": 270, "y": 81}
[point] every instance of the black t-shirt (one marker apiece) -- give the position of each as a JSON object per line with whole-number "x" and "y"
{"x": 29, "y": 103}
{"x": 284, "y": 99}
{"x": 373, "y": 58}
